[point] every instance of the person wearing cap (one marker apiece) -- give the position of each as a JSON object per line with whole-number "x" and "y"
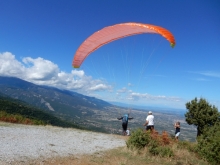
{"x": 149, "y": 121}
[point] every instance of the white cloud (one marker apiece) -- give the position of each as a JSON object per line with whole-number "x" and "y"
{"x": 123, "y": 90}
{"x": 129, "y": 84}
{"x": 45, "y": 72}
{"x": 78, "y": 73}
{"x": 208, "y": 73}
{"x": 99, "y": 87}
{"x": 146, "y": 96}
{"x": 40, "y": 69}
{"x": 9, "y": 66}
{"x": 201, "y": 79}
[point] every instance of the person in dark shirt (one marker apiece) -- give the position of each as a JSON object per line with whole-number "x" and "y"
{"x": 177, "y": 131}
{"x": 125, "y": 119}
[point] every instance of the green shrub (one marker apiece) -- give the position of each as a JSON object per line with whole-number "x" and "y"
{"x": 166, "y": 152}
{"x": 192, "y": 147}
{"x": 38, "y": 122}
{"x": 154, "y": 150}
{"x": 16, "y": 118}
{"x": 153, "y": 147}
{"x": 161, "y": 151}
{"x": 209, "y": 144}
{"x": 138, "y": 139}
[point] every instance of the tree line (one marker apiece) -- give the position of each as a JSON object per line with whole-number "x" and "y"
{"x": 13, "y": 110}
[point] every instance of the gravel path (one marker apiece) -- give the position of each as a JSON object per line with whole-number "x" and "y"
{"x": 22, "y": 142}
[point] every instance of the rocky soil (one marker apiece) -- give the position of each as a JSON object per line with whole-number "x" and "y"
{"x": 23, "y": 143}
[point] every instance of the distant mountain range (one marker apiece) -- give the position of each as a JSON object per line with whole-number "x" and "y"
{"x": 63, "y": 103}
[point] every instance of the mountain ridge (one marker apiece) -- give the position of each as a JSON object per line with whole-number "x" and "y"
{"x": 66, "y": 105}
{"x": 23, "y": 90}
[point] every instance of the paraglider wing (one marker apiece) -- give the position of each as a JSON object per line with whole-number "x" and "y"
{"x": 111, "y": 33}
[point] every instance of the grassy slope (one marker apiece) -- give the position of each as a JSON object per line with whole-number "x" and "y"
{"x": 123, "y": 156}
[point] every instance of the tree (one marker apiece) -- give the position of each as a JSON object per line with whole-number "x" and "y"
{"x": 209, "y": 144}
{"x": 201, "y": 114}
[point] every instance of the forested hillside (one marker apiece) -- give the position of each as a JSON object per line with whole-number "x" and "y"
{"x": 17, "y": 111}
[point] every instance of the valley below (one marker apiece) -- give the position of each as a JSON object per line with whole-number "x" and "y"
{"x": 106, "y": 120}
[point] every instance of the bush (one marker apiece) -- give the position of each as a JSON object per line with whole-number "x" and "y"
{"x": 16, "y": 118}
{"x": 154, "y": 150}
{"x": 166, "y": 152}
{"x": 165, "y": 139}
{"x": 161, "y": 151}
{"x": 138, "y": 139}
{"x": 192, "y": 147}
{"x": 155, "y": 143}
{"x": 209, "y": 144}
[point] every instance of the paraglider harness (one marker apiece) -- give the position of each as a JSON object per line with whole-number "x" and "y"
{"x": 125, "y": 119}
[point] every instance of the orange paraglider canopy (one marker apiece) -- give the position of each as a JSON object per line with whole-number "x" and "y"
{"x": 115, "y": 32}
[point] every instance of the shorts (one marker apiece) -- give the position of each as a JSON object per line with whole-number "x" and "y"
{"x": 124, "y": 126}
{"x": 150, "y": 127}
{"x": 177, "y": 134}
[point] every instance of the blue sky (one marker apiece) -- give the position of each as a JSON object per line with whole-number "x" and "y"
{"x": 39, "y": 38}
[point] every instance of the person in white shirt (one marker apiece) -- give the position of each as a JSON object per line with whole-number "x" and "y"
{"x": 149, "y": 121}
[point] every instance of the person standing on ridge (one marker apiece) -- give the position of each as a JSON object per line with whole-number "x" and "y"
{"x": 149, "y": 122}
{"x": 177, "y": 131}
{"x": 125, "y": 119}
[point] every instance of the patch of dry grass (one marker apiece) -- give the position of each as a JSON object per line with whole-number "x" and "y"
{"x": 123, "y": 156}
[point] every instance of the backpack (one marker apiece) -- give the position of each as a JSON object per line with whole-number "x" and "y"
{"x": 125, "y": 119}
